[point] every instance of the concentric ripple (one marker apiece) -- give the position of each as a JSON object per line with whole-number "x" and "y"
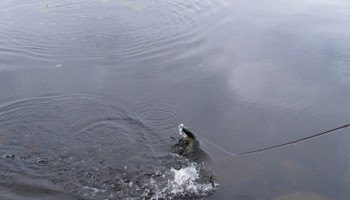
{"x": 47, "y": 33}
{"x": 85, "y": 146}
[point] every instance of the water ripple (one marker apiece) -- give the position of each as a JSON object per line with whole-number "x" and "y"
{"x": 119, "y": 30}
{"x": 90, "y": 147}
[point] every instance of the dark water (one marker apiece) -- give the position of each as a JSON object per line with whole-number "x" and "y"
{"x": 92, "y": 92}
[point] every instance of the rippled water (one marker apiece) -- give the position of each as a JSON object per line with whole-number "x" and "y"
{"x": 105, "y": 32}
{"x": 92, "y": 93}
{"x": 94, "y": 150}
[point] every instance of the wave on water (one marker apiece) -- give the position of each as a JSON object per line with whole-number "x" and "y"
{"x": 103, "y": 32}
{"x": 90, "y": 148}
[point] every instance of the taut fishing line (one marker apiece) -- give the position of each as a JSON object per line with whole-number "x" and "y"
{"x": 276, "y": 146}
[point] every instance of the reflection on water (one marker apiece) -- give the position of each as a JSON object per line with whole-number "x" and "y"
{"x": 241, "y": 74}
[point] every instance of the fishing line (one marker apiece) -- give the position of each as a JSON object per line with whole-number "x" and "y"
{"x": 279, "y": 145}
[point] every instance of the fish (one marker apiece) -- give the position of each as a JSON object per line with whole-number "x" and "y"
{"x": 189, "y": 146}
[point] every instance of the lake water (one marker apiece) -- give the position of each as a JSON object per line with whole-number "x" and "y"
{"x": 92, "y": 93}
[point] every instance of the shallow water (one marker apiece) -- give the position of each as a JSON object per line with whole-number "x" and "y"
{"x": 92, "y": 92}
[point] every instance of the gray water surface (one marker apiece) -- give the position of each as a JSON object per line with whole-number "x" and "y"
{"x": 92, "y": 92}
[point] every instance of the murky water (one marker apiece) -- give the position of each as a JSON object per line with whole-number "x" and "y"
{"x": 92, "y": 93}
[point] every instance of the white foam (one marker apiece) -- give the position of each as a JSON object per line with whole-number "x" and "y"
{"x": 185, "y": 176}
{"x": 94, "y": 190}
{"x": 185, "y": 182}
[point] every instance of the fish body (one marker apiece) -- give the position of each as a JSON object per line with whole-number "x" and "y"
{"x": 188, "y": 146}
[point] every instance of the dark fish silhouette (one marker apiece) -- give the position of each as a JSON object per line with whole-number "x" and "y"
{"x": 188, "y": 146}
